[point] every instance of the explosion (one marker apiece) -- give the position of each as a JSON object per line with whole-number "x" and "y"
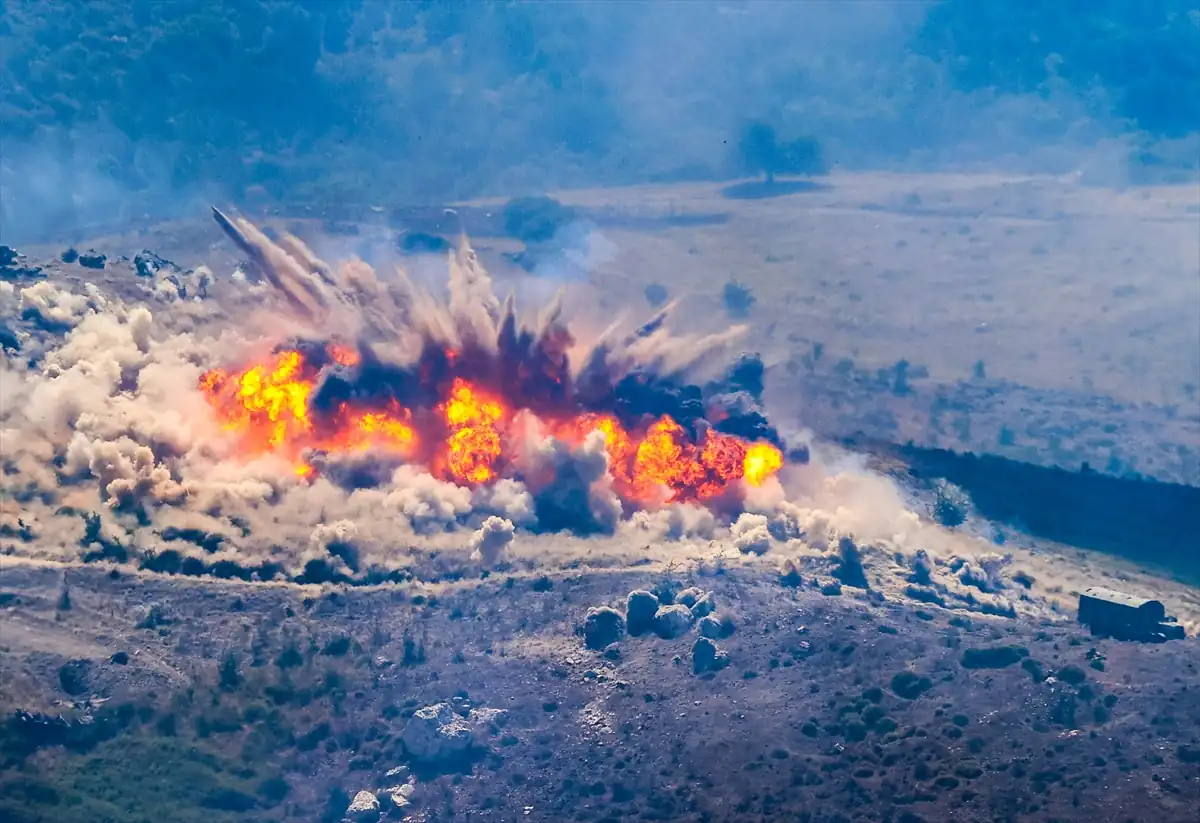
{"x": 267, "y": 408}
{"x": 477, "y": 382}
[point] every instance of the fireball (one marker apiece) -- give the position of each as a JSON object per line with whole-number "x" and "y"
{"x": 452, "y": 408}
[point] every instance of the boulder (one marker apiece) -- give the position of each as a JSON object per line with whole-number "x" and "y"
{"x": 689, "y": 596}
{"x": 364, "y": 806}
{"x": 673, "y": 621}
{"x": 640, "y": 609}
{"x": 710, "y": 627}
{"x": 436, "y": 734}
{"x": 704, "y": 605}
{"x": 706, "y": 657}
{"x": 602, "y": 627}
{"x": 401, "y": 795}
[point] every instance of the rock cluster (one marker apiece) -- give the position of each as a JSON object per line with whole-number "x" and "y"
{"x": 669, "y": 616}
{"x": 437, "y": 735}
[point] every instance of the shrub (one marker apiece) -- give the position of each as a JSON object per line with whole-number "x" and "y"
{"x": 656, "y": 295}
{"x": 951, "y": 504}
{"x": 419, "y": 242}
{"x": 228, "y": 675}
{"x": 738, "y": 299}
{"x": 910, "y": 685}
{"x": 337, "y": 647}
{"x": 534, "y": 220}
{"x": 995, "y": 657}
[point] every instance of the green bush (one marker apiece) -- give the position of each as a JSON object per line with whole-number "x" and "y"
{"x": 534, "y": 220}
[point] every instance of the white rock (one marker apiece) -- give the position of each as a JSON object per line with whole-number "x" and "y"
{"x": 364, "y": 806}
{"x": 437, "y": 733}
{"x": 486, "y": 720}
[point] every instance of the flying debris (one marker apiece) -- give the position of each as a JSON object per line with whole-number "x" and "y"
{"x": 467, "y": 389}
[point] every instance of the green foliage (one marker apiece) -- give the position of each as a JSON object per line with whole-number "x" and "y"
{"x": 535, "y": 220}
{"x": 738, "y": 299}
{"x": 994, "y": 657}
{"x": 656, "y": 295}
{"x": 762, "y": 153}
{"x": 135, "y": 779}
{"x": 1144, "y": 57}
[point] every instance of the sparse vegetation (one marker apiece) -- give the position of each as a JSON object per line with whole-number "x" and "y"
{"x": 951, "y": 504}
{"x": 656, "y": 295}
{"x": 738, "y": 299}
{"x": 536, "y": 220}
{"x": 762, "y": 153}
{"x": 910, "y": 685}
{"x": 993, "y": 657}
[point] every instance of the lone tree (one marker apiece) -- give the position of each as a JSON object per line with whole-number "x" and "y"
{"x": 762, "y": 153}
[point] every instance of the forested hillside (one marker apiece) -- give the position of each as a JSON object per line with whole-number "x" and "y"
{"x": 422, "y": 101}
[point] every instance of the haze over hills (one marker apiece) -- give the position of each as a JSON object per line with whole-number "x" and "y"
{"x": 557, "y": 394}
{"x": 138, "y": 107}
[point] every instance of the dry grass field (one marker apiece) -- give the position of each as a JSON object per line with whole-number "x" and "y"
{"x": 1058, "y": 323}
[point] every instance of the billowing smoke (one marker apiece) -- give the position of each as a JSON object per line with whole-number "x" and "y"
{"x": 367, "y": 414}
{"x": 330, "y": 423}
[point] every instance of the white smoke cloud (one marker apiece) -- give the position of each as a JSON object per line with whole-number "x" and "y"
{"x": 489, "y": 541}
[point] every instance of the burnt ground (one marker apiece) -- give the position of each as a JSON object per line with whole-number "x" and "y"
{"x": 229, "y": 702}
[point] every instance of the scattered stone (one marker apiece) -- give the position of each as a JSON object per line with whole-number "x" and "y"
{"x": 602, "y": 627}
{"x": 438, "y": 735}
{"x": 705, "y": 605}
{"x": 364, "y": 806}
{"x": 612, "y": 651}
{"x": 706, "y": 657}
{"x": 996, "y": 657}
{"x": 673, "y": 621}
{"x": 640, "y": 608}
{"x": 92, "y": 259}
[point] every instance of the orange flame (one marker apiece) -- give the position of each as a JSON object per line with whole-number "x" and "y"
{"x": 267, "y": 405}
{"x": 344, "y": 355}
{"x": 473, "y": 447}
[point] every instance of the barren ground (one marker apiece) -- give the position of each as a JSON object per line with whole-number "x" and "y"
{"x": 804, "y": 724}
{"x": 231, "y": 701}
